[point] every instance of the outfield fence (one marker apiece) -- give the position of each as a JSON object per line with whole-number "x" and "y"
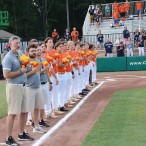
{"x": 121, "y": 64}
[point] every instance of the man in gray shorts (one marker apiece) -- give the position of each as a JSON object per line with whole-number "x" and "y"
{"x": 15, "y": 92}
{"x": 33, "y": 88}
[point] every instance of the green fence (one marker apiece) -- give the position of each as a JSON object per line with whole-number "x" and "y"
{"x": 136, "y": 63}
{"x": 121, "y": 64}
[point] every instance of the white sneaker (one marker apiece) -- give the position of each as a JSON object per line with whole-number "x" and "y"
{"x": 56, "y": 112}
{"x": 39, "y": 130}
{"x": 29, "y": 123}
{"x": 52, "y": 115}
{"x": 75, "y": 99}
{"x": 79, "y": 97}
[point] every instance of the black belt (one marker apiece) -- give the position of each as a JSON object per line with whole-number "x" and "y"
{"x": 43, "y": 83}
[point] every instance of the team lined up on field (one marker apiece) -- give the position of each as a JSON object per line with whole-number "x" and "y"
{"x": 49, "y": 80}
{"x": 69, "y": 67}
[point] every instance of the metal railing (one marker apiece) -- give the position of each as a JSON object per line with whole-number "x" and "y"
{"x": 92, "y": 39}
{"x": 132, "y": 7}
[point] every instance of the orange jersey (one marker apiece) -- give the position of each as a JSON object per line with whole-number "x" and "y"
{"x": 116, "y": 9}
{"x": 127, "y": 6}
{"x": 51, "y": 54}
{"x": 48, "y": 58}
{"x": 122, "y": 9}
{"x": 138, "y": 6}
{"x": 83, "y": 56}
{"x": 60, "y": 60}
{"x": 74, "y": 35}
{"x": 116, "y": 15}
{"x": 94, "y": 54}
{"x": 115, "y": 6}
{"x": 78, "y": 57}
{"x": 75, "y": 58}
{"x": 44, "y": 55}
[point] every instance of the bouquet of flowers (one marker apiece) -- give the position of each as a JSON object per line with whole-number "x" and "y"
{"x": 49, "y": 59}
{"x": 34, "y": 64}
{"x": 68, "y": 57}
{"x": 82, "y": 53}
{"x": 45, "y": 63}
{"x": 24, "y": 60}
{"x": 77, "y": 58}
{"x": 56, "y": 56}
{"x": 90, "y": 53}
{"x": 65, "y": 60}
{"x": 87, "y": 54}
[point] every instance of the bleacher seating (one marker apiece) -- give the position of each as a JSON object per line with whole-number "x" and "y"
{"x": 90, "y": 31}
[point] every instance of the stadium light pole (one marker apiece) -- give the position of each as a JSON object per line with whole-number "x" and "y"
{"x": 67, "y": 11}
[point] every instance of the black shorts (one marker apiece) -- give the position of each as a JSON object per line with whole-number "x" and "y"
{"x": 122, "y": 14}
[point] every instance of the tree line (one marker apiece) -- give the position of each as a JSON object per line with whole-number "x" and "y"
{"x": 31, "y": 18}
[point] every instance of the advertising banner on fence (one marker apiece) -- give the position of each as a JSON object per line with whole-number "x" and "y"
{"x": 136, "y": 63}
{"x": 121, "y": 64}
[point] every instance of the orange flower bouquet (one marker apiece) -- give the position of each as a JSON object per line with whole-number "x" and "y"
{"x": 24, "y": 60}
{"x": 34, "y": 64}
{"x": 90, "y": 53}
{"x": 65, "y": 60}
{"x": 45, "y": 63}
{"x": 56, "y": 56}
{"x": 82, "y": 53}
{"x": 49, "y": 59}
{"x": 68, "y": 57}
{"x": 77, "y": 58}
{"x": 94, "y": 54}
{"x": 87, "y": 54}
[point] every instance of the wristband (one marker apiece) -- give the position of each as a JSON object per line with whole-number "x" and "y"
{"x": 72, "y": 72}
{"x": 50, "y": 83}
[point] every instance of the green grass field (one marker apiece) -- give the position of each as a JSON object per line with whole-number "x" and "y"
{"x": 123, "y": 123}
{"x": 3, "y": 104}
